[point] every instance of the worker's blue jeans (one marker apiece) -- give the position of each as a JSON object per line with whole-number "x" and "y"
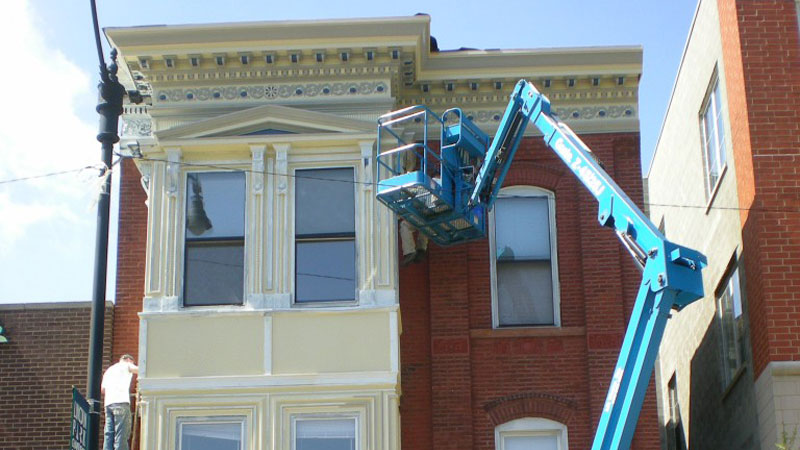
{"x": 118, "y": 426}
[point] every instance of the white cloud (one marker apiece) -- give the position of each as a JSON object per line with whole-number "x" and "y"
{"x": 40, "y": 131}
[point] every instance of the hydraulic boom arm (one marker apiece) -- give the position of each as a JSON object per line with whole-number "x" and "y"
{"x": 447, "y": 201}
{"x": 671, "y": 273}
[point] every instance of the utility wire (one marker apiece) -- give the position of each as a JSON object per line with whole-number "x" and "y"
{"x": 288, "y": 175}
{"x": 46, "y": 175}
{"x": 99, "y": 167}
{"x": 355, "y": 182}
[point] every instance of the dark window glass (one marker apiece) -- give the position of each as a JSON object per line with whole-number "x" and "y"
{"x": 729, "y": 305}
{"x": 325, "y": 233}
{"x": 214, "y": 253}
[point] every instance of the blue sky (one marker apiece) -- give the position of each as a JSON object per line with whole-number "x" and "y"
{"x": 47, "y": 225}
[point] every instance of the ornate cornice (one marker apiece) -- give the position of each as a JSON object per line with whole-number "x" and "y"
{"x": 273, "y": 92}
{"x": 373, "y": 65}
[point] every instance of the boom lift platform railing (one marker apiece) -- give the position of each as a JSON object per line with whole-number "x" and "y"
{"x": 428, "y": 188}
{"x": 452, "y": 209}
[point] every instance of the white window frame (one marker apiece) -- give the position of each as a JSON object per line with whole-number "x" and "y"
{"x": 300, "y": 417}
{"x": 245, "y": 238}
{"x": 527, "y": 191}
{"x": 181, "y": 421}
{"x": 531, "y": 426}
{"x": 714, "y": 99}
{"x": 293, "y": 237}
{"x": 730, "y": 286}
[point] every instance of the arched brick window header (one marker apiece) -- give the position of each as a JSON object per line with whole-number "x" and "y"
{"x": 533, "y": 174}
{"x": 530, "y": 404}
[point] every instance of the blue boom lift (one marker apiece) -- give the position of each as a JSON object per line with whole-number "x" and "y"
{"x": 447, "y": 192}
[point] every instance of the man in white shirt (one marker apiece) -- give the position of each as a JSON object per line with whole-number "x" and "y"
{"x": 116, "y": 388}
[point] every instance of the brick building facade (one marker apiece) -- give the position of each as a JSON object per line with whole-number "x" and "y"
{"x": 45, "y": 356}
{"x": 729, "y": 375}
{"x": 462, "y": 377}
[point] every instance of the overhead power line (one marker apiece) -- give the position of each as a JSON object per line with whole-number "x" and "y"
{"x": 228, "y": 168}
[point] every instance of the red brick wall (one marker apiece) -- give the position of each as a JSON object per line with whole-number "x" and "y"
{"x": 131, "y": 248}
{"x": 475, "y": 377}
{"x": 761, "y": 49}
{"x": 46, "y": 355}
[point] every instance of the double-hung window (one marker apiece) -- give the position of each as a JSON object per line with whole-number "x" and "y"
{"x": 525, "y": 258}
{"x": 214, "y": 251}
{"x": 325, "y": 434}
{"x": 731, "y": 317}
{"x": 325, "y": 236}
{"x": 223, "y": 433}
{"x": 712, "y": 127}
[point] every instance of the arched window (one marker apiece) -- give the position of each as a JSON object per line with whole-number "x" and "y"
{"x": 525, "y": 270}
{"x": 531, "y": 433}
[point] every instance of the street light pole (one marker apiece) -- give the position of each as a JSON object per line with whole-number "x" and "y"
{"x": 109, "y": 107}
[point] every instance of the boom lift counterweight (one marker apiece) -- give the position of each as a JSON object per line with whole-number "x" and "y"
{"x": 448, "y": 196}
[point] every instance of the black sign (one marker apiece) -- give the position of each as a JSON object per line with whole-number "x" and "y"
{"x": 79, "y": 436}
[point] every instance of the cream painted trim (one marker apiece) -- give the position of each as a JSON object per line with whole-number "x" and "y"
{"x": 255, "y": 249}
{"x": 172, "y": 231}
{"x": 394, "y": 341}
{"x": 268, "y": 342}
{"x": 297, "y": 141}
{"x": 364, "y": 380}
{"x": 267, "y": 114}
{"x": 298, "y": 33}
{"x": 228, "y": 310}
{"x": 270, "y": 228}
{"x": 554, "y": 62}
{"x": 282, "y": 214}
{"x": 142, "y": 348}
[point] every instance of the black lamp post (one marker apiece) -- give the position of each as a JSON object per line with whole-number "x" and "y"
{"x": 109, "y": 107}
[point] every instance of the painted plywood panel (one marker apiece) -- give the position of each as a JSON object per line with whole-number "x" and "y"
{"x": 193, "y": 346}
{"x": 311, "y": 343}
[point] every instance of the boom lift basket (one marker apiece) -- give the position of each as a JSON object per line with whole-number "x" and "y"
{"x": 427, "y": 187}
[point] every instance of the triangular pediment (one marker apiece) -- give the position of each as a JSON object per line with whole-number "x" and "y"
{"x": 264, "y": 121}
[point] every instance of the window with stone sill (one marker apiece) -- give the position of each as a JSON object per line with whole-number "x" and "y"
{"x": 731, "y": 319}
{"x": 524, "y": 258}
{"x": 214, "y": 244}
{"x": 712, "y": 132}
{"x": 531, "y": 434}
{"x": 325, "y": 236}
{"x": 213, "y": 433}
